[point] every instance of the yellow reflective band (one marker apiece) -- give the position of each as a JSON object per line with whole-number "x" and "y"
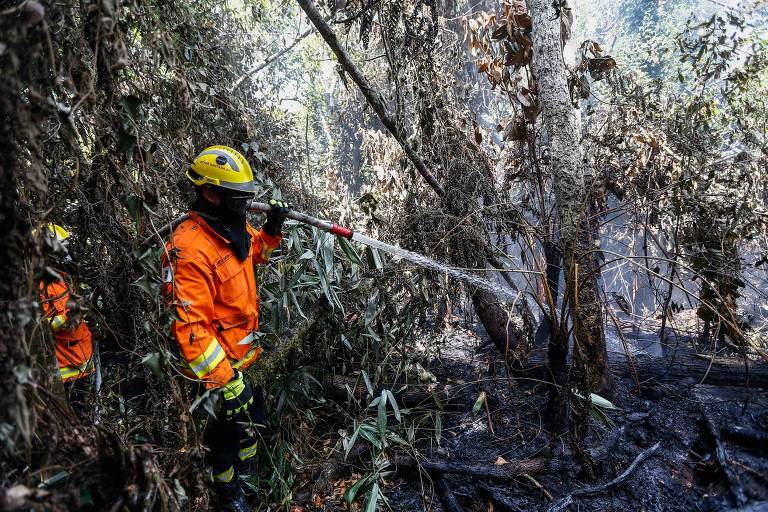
{"x": 57, "y": 322}
{"x": 266, "y": 252}
{"x": 232, "y": 412}
{"x": 70, "y": 372}
{"x": 247, "y": 453}
{"x": 233, "y": 388}
{"x": 225, "y": 476}
{"x": 250, "y": 355}
{"x": 67, "y": 372}
{"x": 204, "y": 364}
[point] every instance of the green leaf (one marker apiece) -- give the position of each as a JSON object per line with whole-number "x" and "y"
{"x": 327, "y": 248}
{"x": 352, "y": 492}
{"x": 86, "y": 497}
{"x": 131, "y": 106}
{"x": 207, "y": 400}
{"x": 370, "y": 310}
{"x": 438, "y": 428}
{"x": 349, "y": 251}
{"x": 154, "y": 361}
{"x": 373, "y": 498}
{"x": 352, "y": 440}
{"x": 368, "y": 434}
{"x": 367, "y": 383}
{"x": 602, "y": 402}
{"x": 55, "y": 479}
{"x": 479, "y": 403}
{"x": 393, "y": 403}
{"x": 133, "y": 204}
{"x": 296, "y": 276}
{"x": 382, "y": 415}
{"x": 374, "y": 258}
{"x": 597, "y": 400}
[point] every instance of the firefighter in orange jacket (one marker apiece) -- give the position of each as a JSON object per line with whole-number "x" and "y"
{"x": 208, "y": 276}
{"x": 72, "y": 338}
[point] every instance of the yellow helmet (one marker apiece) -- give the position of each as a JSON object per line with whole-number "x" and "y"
{"x": 58, "y": 232}
{"x": 222, "y": 166}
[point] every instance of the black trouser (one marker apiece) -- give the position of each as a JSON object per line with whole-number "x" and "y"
{"x": 229, "y": 442}
{"x": 76, "y": 392}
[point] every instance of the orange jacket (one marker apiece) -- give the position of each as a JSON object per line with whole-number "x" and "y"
{"x": 215, "y": 299}
{"x": 74, "y": 344}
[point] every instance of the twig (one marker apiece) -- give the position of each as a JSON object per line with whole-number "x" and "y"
{"x": 488, "y": 414}
{"x": 538, "y": 486}
{"x": 562, "y": 503}
{"x": 271, "y": 58}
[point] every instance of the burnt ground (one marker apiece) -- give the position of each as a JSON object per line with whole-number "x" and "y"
{"x": 702, "y": 465}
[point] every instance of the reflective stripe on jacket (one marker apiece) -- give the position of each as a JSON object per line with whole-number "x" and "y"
{"x": 215, "y": 299}
{"x": 73, "y": 343}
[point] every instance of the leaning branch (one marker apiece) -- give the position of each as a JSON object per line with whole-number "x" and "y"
{"x": 371, "y": 95}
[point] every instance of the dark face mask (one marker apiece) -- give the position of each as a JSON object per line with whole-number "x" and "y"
{"x": 236, "y": 205}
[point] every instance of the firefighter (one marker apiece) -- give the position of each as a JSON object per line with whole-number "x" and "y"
{"x": 72, "y": 338}
{"x": 208, "y": 280}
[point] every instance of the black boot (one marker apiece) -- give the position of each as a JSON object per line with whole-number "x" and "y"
{"x": 230, "y": 497}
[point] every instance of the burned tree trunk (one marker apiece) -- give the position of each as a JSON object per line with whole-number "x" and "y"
{"x": 511, "y": 333}
{"x": 571, "y": 197}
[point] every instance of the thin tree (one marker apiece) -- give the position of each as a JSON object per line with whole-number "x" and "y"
{"x": 589, "y": 372}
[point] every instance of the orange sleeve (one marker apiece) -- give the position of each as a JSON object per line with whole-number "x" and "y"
{"x": 264, "y": 245}
{"x": 54, "y": 297}
{"x": 193, "y": 304}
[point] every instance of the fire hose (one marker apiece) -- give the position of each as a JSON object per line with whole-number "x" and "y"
{"x": 321, "y": 224}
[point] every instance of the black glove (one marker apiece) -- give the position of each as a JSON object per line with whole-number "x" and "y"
{"x": 276, "y": 216}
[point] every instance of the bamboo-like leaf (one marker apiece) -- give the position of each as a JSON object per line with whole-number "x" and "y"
{"x": 373, "y": 498}
{"x": 479, "y": 403}
{"x": 367, "y": 383}
{"x": 352, "y": 492}
{"x": 382, "y": 414}
{"x": 393, "y": 402}
{"x": 349, "y": 251}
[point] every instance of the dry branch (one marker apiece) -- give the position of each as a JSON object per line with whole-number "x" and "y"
{"x": 511, "y": 469}
{"x": 563, "y": 503}
{"x": 450, "y": 503}
{"x": 271, "y": 58}
{"x": 371, "y": 95}
{"x": 727, "y": 372}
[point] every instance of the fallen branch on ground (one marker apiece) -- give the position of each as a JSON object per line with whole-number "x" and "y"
{"x": 450, "y": 503}
{"x": 562, "y": 503}
{"x": 511, "y": 469}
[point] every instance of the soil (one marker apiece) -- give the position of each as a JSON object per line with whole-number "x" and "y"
{"x": 686, "y": 418}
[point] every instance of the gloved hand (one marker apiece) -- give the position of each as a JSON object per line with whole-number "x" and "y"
{"x": 276, "y": 216}
{"x": 238, "y": 399}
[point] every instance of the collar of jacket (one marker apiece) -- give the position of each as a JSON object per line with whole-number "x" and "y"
{"x": 241, "y": 252}
{"x": 200, "y": 219}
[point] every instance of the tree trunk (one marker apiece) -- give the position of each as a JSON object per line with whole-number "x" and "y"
{"x": 571, "y": 197}
{"x": 15, "y": 417}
